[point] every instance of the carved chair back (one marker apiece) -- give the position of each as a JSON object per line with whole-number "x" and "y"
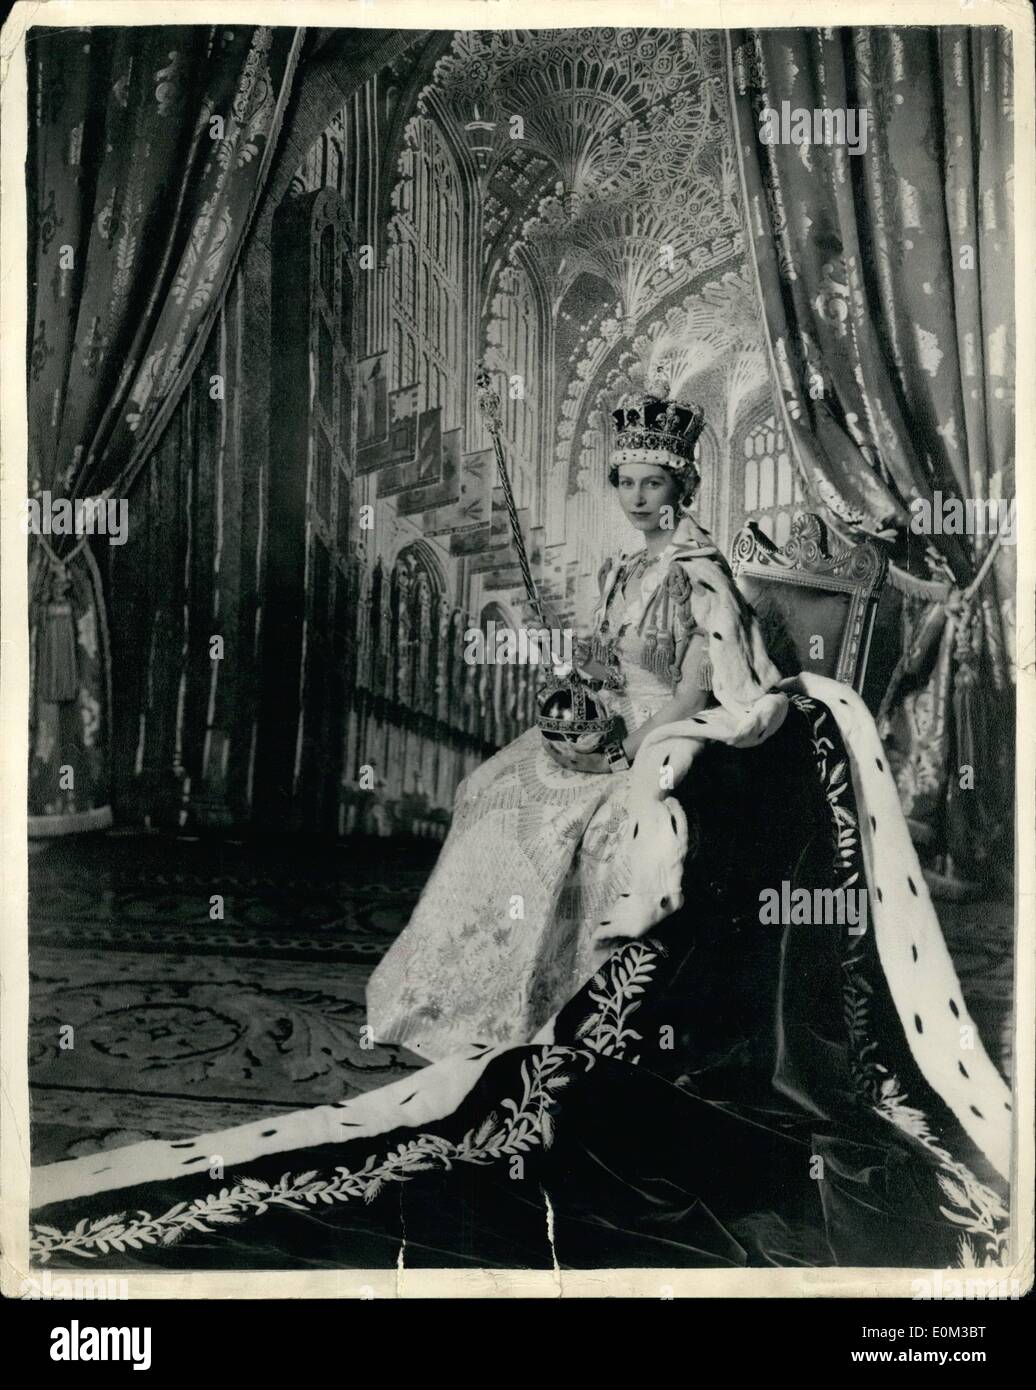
{"x": 816, "y": 604}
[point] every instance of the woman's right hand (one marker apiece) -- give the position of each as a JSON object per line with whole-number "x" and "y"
{"x": 764, "y": 718}
{"x": 568, "y": 754}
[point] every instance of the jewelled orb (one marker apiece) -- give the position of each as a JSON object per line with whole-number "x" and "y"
{"x": 569, "y": 711}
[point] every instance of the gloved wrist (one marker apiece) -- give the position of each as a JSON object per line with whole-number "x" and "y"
{"x": 618, "y": 759}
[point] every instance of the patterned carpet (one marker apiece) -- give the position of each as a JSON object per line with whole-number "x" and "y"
{"x": 183, "y": 1024}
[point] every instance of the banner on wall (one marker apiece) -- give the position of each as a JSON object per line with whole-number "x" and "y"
{"x": 371, "y": 411}
{"x": 470, "y": 513}
{"x": 447, "y": 490}
{"x": 421, "y": 465}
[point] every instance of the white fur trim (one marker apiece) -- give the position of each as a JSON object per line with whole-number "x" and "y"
{"x": 925, "y": 990}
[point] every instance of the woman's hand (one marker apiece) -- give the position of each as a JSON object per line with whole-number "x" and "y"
{"x": 684, "y": 705}
{"x": 568, "y": 755}
{"x": 764, "y": 718}
{"x": 595, "y": 752}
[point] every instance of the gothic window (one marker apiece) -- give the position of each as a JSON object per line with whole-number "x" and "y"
{"x": 498, "y": 676}
{"x": 324, "y": 165}
{"x": 427, "y": 273}
{"x": 771, "y": 490}
{"x": 332, "y": 160}
{"x": 515, "y": 331}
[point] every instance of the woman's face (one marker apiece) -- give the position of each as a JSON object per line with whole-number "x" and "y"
{"x": 644, "y": 489}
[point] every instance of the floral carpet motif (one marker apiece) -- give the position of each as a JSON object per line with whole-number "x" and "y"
{"x": 182, "y": 1023}
{"x": 153, "y": 1018}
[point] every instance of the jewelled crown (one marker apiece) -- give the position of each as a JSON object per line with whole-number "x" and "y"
{"x": 659, "y": 432}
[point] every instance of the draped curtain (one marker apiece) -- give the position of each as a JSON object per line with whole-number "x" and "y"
{"x": 887, "y": 287}
{"x": 148, "y": 150}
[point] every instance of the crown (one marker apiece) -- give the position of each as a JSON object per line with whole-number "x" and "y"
{"x": 660, "y": 432}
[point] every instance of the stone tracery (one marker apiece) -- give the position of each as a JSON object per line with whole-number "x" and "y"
{"x": 588, "y": 189}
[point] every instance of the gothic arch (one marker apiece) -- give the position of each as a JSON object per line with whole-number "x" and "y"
{"x": 765, "y": 484}
{"x": 708, "y": 459}
{"x": 408, "y": 95}
{"x": 429, "y": 238}
{"x": 420, "y": 557}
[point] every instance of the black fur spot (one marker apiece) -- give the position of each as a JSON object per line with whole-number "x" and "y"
{"x": 976, "y": 1111}
{"x": 963, "y": 1071}
{"x": 913, "y": 886}
{"x": 881, "y": 765}
{"x": 918, "y": 1024}
{"x": 267, "y": 1134}
{"x": 913, "y": 952}
{"x": 954, "y": 1010}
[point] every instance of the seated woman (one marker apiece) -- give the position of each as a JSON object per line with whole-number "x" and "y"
{"x": 697, "y": 1012}
{"x": 514, "y": 916}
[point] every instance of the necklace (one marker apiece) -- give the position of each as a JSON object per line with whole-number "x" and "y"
{"x": 603, "y": 644}
{"x": 636, "y": 567}
{"x": 630, "y": 570}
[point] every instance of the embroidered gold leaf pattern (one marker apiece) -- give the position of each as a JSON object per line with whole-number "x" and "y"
{"x": 528, "y": 1123}
{"x": 617, "y": 986}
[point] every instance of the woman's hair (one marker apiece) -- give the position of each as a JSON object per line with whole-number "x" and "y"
{"x": 687, "y": 485}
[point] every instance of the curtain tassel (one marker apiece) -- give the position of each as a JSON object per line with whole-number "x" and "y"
{"x": 58, "y": 674}
{"x": 705, "y": 674}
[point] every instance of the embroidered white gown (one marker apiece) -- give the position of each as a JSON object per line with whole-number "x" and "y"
{"x": 536, "y": 854}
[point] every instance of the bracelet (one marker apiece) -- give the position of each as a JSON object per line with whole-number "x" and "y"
{"x": 617, "y": 759}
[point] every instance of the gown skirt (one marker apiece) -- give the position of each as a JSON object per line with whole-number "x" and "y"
{"x": 722, "y": 1092}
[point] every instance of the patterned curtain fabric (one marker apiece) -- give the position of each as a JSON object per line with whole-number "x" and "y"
{"x": 148, "y": 150}
{"x": 886, "y": 279}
